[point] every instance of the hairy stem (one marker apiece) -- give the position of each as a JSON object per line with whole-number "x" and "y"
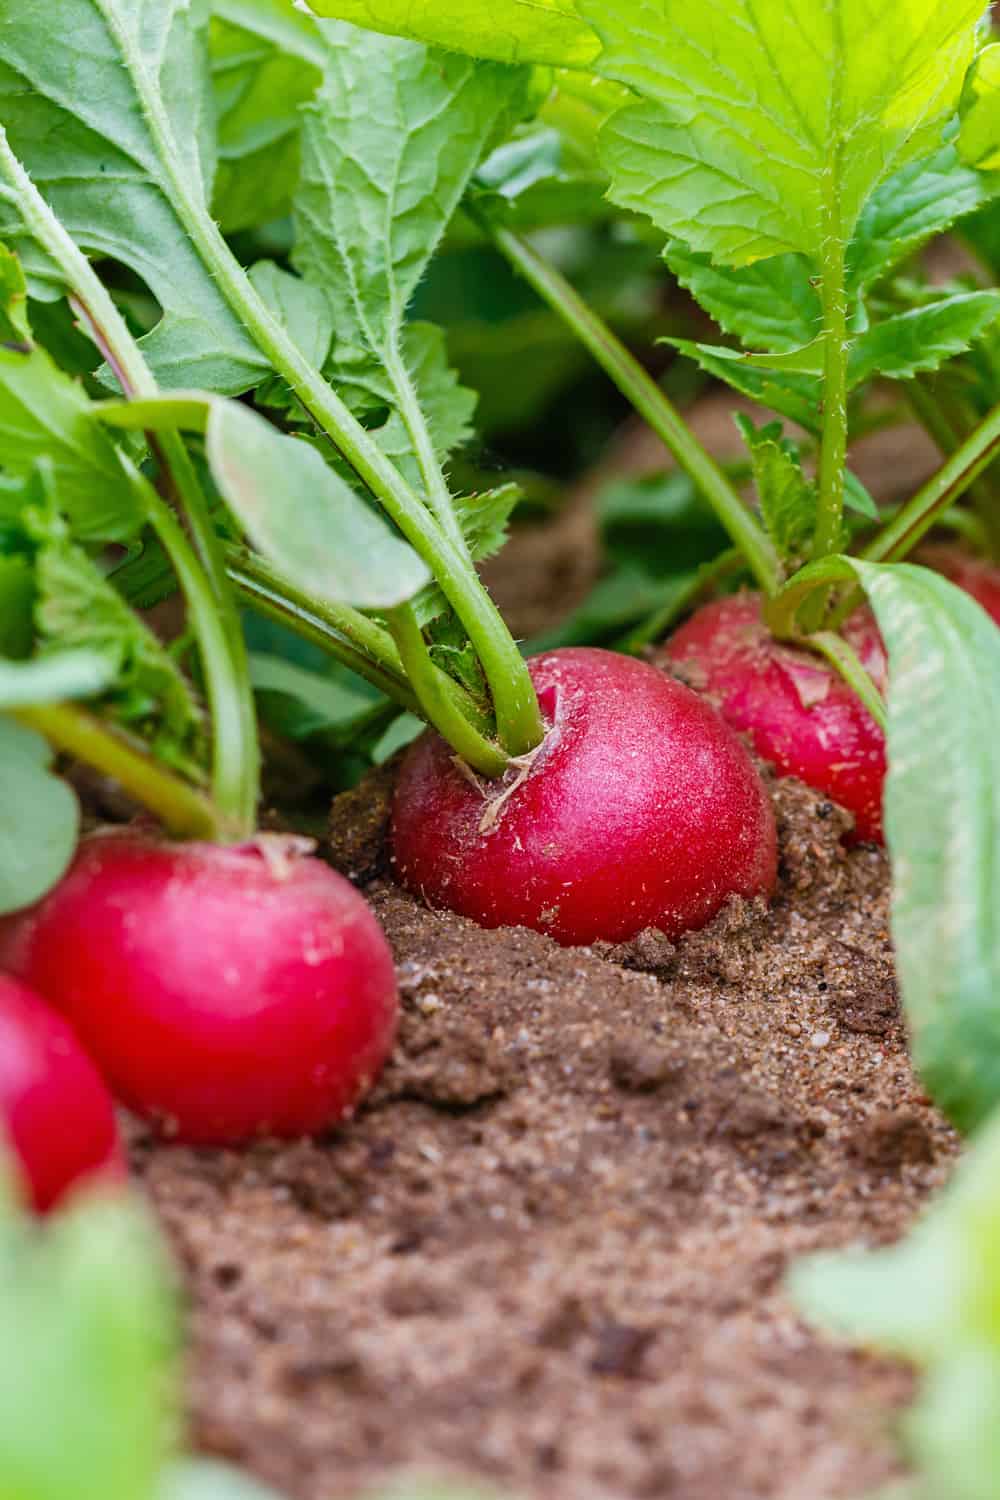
{"x": 437, "y": 707}
{"x": 648, "y": 400}
{"x": 833, "y": 449}
{"x": 235, "y": 753}
{"x": 519, "y": 721}
{"x": 438, "y": 494}
{"x": 180, "y": 808}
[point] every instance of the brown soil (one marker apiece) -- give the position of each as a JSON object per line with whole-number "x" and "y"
{"x": 550, "y": 1251}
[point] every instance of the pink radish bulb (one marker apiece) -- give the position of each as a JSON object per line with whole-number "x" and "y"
{"x": 55, "y": 1112}
{"x": 225, "y": 993}
{"x": 640, "y": 810}
{"x": 798, "y": 712}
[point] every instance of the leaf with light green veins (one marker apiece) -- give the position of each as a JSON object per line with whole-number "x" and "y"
{"x": 39, "y": 815}
{"x": 764, "y": 125}
{"x": 110, "y": 124}
{"x": 266, "y": 61}
{"x": 304, "y": 517}
{"x": 774, "y": 304}
{"x": 934, "y": 1299}
{"x": 78, "y": 608}
{"x": 510, "y": 31}
{"x": 89, "y": 1353}
{"x": 389, "y": 145}
{"x": 795, "y": 396}
{"x": 942, "y": 809}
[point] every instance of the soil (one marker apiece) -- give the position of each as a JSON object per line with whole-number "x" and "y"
{"x": 549, "y": 1254}
{"x": 550, "y": 1251}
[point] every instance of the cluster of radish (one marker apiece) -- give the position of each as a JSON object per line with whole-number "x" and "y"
{"x": 223, "y": 992}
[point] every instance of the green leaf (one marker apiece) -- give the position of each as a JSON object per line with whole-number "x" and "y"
{"x": 39, "y": 827}
{"x": 536, "y": 180}
{"x": 765, "y": 125}
{"x": 771, "y": 305}
{"x": 447, "y": 407}
{"x": 935, "y": 1299}
{"x": 111, "y": 124}
{"x": 979, "y": 134}
{"x": 266, "y": 60}
{"x": 303, "y": 310}
{"x": 922, "y": 199}
{"x": 795, "y": 396}
{"x": 89, "y": 1337}
{"x": 787, "y": 498}
{"x": 17, "y": 600}
{"x": 774, "y": 304}
{"x": 510, "y": 31}
{"x": 390, "y": 144}
{"x": 44, "y": 414}
{"x": 78, "y": 608}
{"x": 942, "y": 808}
{"x": 922, "y": 338}
{"x": 338, "y": 705}
{"x": 302, "y": 516}
{"x": 857, "y": 498}
{"x": 77, "y": 672}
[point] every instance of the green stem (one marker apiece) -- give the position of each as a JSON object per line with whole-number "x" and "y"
{"x": 833, "y": 449}
{"x": 236, "y": 770}
{"x": 918, "y": 515}
{"x": 845, "y": 660}
{"x": 181, "y": 809}
{"x": 235, "y": 752}
{"x": 438, "y": 494}
{"x": 940, "y": 425}
{"x": 437, "y": 707}
{"x": 519, "y": 721}
{"x": 344, "y": 632}
{"x": 647, "y": 398}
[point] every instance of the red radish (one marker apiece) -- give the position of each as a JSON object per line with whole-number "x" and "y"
{"x": 224, "y": 992}
{"x": 55, "y": 1112}
{"x": 639, "y": 810}
{"x": 977, "y": 577}
{"x": 797, "y": 710}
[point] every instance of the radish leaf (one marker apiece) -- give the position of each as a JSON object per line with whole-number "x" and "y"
{"x": 44, "y": 414}
{"x": 518, "y": 31}
{"x": 932, "y": 1299}
{"x": 942, "y": 807}
{"x": 764, "y": 125}
{"x": 266, "y": 59}
{"x": 390, "y": 144}
{"x": 87, "y": 1312}
{"x": 302, "y": 516}
{"x": 115, "y": 126}
{"x": 40, "y": 816}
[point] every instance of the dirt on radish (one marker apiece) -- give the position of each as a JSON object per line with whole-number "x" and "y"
{"x": 549, "y": 1252}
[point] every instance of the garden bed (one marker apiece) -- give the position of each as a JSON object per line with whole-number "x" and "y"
{"x": 549, "y": 1253}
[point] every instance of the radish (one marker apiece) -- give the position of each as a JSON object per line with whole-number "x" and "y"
{"x": 975, "y": 575}
{"x": 224, "y": 992}
{"x": 798, "y": 712}
{"x": 56, "y": 1113}
{"x": 639, "y": 810}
